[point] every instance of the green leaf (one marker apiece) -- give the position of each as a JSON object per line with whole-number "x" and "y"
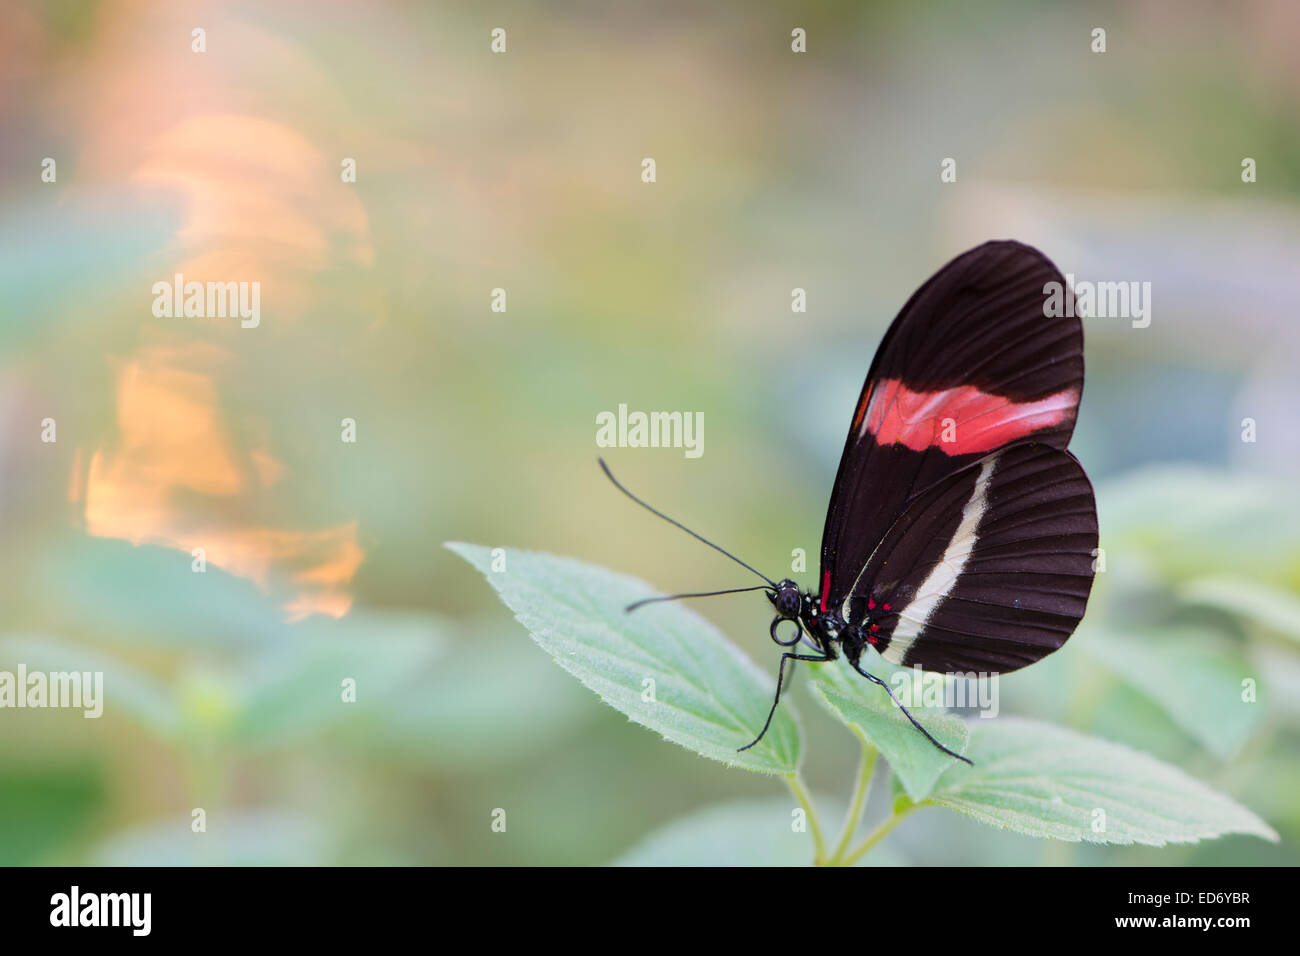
{"x": 126, "y": 688}
{"x": 504, "y": 705}
{"x": 1187, "y": 520}
{"x": 1271, "y": 608}
{"x": 149, "y": 596}
{"x": 1193, "y": 674}
{"x": 1281, "y": 667}
{"x": 262, "y": 837}
{"x": 1046, "y": 781}
{"x": 738, "y": 833}
{"x": 270, "y": 697}
{"x": 869, "y": 712}
{"x": 45, "y": 808}
{"x": 708, "y": 696}
{"x": 294, "y": 689}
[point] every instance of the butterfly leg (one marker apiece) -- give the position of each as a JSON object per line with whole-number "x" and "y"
{"x": 780, "y": 678}
{"x": 876, "y": 680}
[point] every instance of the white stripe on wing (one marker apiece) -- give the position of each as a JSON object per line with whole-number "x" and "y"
{"x": 939, "y": 583}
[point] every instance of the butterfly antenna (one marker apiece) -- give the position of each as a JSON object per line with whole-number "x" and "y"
{"x": 610, "y": 476}
{"x": 675, "y": 597}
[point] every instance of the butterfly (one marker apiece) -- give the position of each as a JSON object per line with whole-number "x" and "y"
{"x": 961, "y": 535}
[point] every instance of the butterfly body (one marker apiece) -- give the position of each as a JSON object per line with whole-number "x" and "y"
{"x": 826, "y": 630}
{"x": 822, "y": 628}
{"x": 829, "y": 634}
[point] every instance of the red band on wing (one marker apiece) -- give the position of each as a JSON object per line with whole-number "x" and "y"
{"x": 957, "y": 421}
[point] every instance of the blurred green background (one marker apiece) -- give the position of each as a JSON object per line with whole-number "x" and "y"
{"x": 522, "y": 171}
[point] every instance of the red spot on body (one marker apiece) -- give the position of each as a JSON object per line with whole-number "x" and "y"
{"x": 871, "y": 604}
{"x": 980, "y": 421}
{"x": 826, "y": 588}
{"x": 886, "y": 607}
{"x": 874, "y": 628}
{"x": 871, "y": 639}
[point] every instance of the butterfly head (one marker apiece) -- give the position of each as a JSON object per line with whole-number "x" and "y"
{"x": 786, "y": 599}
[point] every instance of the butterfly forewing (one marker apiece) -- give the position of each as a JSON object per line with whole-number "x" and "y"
{"x": 971, "y": 365}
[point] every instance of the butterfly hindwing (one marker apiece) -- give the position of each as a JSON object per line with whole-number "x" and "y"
{"x": 987, "y": 571}
{"x": 970, "y": 365}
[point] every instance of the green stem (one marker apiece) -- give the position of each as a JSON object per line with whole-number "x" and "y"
{"x": 852, "y": 819}
{"x": 876, "y": 835}
{"x": 814, "y": 822}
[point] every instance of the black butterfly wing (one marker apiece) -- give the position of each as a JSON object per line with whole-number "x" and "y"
{"x": 970, "y": 365}
{"x": 987, "y": 571}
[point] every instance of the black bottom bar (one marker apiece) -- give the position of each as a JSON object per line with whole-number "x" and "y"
{"x": 330, "y": 905}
